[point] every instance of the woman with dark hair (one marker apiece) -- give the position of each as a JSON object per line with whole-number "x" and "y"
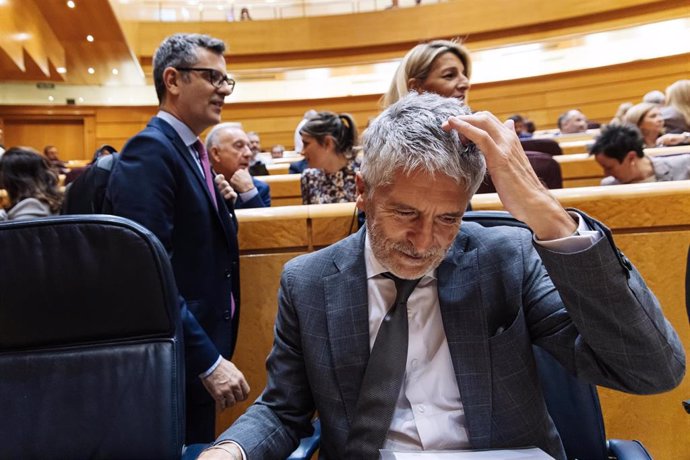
{"x": 31, "y": 184}
{"x": 329, "y": 140}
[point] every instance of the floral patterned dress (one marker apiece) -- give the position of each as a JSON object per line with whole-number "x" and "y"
{"x": 319, "y": 187}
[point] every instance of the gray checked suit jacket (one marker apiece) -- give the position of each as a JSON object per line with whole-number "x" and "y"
{"x": 590, "y": 309}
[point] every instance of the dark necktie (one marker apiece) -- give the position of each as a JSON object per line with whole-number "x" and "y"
{"x": 203, "y": 158}
{"x": 382, "y": 379}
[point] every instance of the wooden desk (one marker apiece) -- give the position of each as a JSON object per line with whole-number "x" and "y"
{"x": 651, "y": 224}
{"x": 278, "y": 168}
{"x": 285, "y": 189}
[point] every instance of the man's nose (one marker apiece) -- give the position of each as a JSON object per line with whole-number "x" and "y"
{"x": 422, "y": 237}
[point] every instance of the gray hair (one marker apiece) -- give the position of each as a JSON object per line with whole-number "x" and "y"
{"x": 211, "y": 140}
{"x": 408, "y": 136}
{"x": 180, "y": 50}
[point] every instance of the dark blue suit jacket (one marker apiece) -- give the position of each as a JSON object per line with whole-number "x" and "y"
{"x": 262, "y": 200}
{"x": 159, "y": 185}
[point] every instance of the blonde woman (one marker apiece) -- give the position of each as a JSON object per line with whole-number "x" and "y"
{"x": 443, "y": 67}
{"x": 677, "y": 112}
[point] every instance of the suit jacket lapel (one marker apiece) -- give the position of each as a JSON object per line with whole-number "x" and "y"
{"x": 347, "y": 317}
{"x": 464, "y": 320}
{"x": 183, "y": 151}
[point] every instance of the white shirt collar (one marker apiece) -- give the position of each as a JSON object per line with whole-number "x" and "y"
{"x": 182, "y": 130}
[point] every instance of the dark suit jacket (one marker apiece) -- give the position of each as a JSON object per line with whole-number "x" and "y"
{"x": 158, "y": 184}
{"x": 496, "y": 299}
{"x": 261, "y": 200}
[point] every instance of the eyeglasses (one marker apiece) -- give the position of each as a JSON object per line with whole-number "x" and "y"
{"x": 213, "y": 76}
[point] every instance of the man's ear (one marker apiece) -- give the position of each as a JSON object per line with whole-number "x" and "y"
{"x": 214, "y": 154}
{"x": 171, "y": 79}
{"x": 631, "y": 156}
{"x": 361, "y": 192}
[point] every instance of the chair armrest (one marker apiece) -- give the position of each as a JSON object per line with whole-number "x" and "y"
{"x": 308, "y": 446}
{"x": 627, "y": 450}
{"x": 192, "y": 451}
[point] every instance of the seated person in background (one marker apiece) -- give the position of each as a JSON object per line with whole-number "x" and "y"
{"x": 480, "y": 297}
{"x": 571, "y": 122}
{"x": 620, "y": 113}
{"x": 519, "y": 123}
{"x": 297, "y": 167}
{"x": 51, "y": 153}
{"x": 676, "y": 114}
{"x": 619, "y": 150}
{"x": 655, "y": 97}
{"x": 647, "y": 117}
{"x": 228, "y": 148}
{"x": 31, "y": 184}
{"x": 277, "y": 151}
{"x": 256, "y": 166}
{"x": 329, "y": 139}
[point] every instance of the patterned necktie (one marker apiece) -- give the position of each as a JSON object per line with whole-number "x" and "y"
{"x": 203, "y": 158}
{"x": 382, "y": 379}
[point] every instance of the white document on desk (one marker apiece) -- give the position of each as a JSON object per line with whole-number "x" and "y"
{"x": 493, "y": 454}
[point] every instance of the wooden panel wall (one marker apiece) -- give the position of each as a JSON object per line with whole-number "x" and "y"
{"x": 331, "y": 40}
{"x": 597, "y": 92}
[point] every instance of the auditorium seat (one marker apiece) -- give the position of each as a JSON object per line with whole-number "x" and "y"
{"x": 547, "y": 169}
{"x": 549, "y": 146}
{"x": 91, "y": 353}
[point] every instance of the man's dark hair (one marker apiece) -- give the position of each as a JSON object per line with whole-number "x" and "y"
{"x": 615, "y": 141}
{"x": 180, "y": 50}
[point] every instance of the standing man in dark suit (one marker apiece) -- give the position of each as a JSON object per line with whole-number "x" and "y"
{"x": 228, "y": 148}
{"x": 480, "y": 298}
{"x": 163, "y": 181}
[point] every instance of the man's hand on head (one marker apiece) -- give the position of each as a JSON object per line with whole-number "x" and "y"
{"x": 226, "y": 385}
{"x": 517, "y": 185}
{"x": 224, "y": 187}
{"x": 241, "y": 181}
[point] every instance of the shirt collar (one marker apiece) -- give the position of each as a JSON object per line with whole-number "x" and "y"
{"x": 182, "y": 130}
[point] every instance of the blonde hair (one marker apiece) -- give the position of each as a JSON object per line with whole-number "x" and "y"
{"x": 637, "y": 112}
{"x": 417, "y": 64}
{"x": 678, "y": 97}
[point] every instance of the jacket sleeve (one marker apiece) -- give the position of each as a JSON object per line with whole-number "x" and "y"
{"x": 600, "y": 320}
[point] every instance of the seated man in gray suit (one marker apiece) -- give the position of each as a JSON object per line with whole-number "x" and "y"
{"x": 228, "y": 147}
{"x": 464, "y": 375}
{"x": 619, "y": 149}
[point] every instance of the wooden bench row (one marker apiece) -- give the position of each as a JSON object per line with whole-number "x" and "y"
{"x": 651, "y": 224}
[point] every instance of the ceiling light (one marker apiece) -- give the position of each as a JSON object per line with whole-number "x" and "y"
{"x": 61, "y": 70}
{"x": 89, "y": 38}
{"x": 115, "y": 71}
{"x": 71, "y": 4}
{"x": 91, "y": 70}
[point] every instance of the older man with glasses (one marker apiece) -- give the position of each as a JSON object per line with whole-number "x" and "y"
{"x": 164, "y": 182}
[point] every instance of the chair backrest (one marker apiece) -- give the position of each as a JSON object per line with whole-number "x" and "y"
{"x": 572, "y": 404}
{"x": 547, "y": 169}
{"x": 549, "y": 146}
{"x": 91, "y": 355}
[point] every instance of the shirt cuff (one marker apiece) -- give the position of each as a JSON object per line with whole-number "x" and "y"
{"x": 244, "y": 455}
{"x": 248, "y": 195}
{"x": 583, "y": 238}
{"x": 210, "y": 370}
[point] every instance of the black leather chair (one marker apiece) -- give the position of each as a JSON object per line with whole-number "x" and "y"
{"x": 547, "y": 169}
{"x": 686, "y": 403}
{"x": 91, "y": 355}
{"x": 572, "y": 404}
{"x": 549, "y": 146}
